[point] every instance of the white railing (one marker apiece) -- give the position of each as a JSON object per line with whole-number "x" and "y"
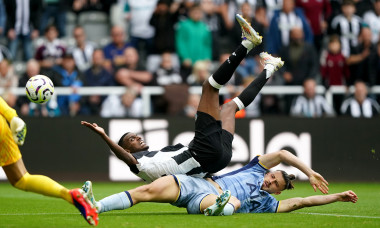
{"x": 148, "y": 91}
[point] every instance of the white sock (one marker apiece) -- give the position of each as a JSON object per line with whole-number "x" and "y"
{"x": 239, "y": 103}
{"x": 213, "y": 83}
{"x": 270, "y": 70}
{"x": 229, "y": 209}
{"x": 119, "y": 201}
{"x": 248, "y": 44}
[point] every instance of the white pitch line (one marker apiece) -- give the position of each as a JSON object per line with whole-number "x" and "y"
{"x": 337, "y": 215}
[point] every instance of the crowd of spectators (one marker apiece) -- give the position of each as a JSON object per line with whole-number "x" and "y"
{"x": 179, "y": 43}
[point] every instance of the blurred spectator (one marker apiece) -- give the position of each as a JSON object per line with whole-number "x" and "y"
{"x": 362, "y": 59}
{"x": 282, "y": 23}
{"x": 97, "y": 75}
{"x": 8, "y": 80}
{"x": 271, "y": 7}
{"x": 50, "y": 53}
{"x": 132, "y": 78}
{"x": 113, "y": 52}
{"x": 360, "y": 105}
{"x": 134, "y": 73}
{"x": 166, "y": 74}
{"x": 201, "y": 71}
{"x": 163, "y": 20}
{"x": 347, "y": 26}
{"x": 193, "y": 40}
{"x": 28, "y": 108}
{"x": 377, "y": 63}
{"x": 311, "y": 104}
{"x": 3, "y": 18}
{"x": 54, "y": 9}
{"x": 126, "y": 105}
{"x": 318, "y": 13}
{"x": 138, "y": 14}
{"x": 70, "y": 77}
{"x": 214, "y": 23}
{"x": 372, "y": 18}
{"x": 83, "y": 49}
{"x": 23, "y": 19}
{"x": 300, "y": 57}
{"x": 334, "y": 69}
{"x": 192, "y": 105}
{"x": 80, "y": 6}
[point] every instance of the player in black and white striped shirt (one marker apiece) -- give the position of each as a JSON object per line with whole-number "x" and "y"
{"x": 211, "y": 149}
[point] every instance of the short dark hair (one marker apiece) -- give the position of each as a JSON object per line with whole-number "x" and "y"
{"x": 288, "y": 179}
{"x": 120, "y": 143}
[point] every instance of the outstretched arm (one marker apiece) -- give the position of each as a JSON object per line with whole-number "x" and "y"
{"x": 118, "y": 150}
{"x": 298, "y": 203}
{"x": 272, "y": 159}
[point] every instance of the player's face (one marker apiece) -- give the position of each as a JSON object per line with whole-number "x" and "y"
{"x": 273, "y": 182}
{"x": 134, "y": 143}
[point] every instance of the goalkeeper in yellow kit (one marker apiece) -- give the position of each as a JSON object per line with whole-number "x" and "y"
{"x": 12, "y": 134}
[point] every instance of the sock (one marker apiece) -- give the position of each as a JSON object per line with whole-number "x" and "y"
{"x": 249, "y": 93}
{"x": 43, "y": 185}
{"x": 229, "y": 209}
{"x": 248, "y": 44}
{"x": 7, "y": 111}
{"x": 119, "y": 201}
{"x": 224, "y": 73}
{"x": 270, "y": 70}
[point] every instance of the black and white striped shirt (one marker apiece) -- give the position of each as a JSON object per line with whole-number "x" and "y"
{"x": 348, "y": 31}
{"x": 367, "y": 109}
{"x": 316, "y": 107}
{"x": 175, "y": 159}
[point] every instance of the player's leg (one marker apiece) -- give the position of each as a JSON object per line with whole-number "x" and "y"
{"x": 249, "y": 94}
{"x": 162, "y": 190}
{"x": 14, "y": 168}
{"x": 209, "y": 102}
{"x": 224, "y": 204}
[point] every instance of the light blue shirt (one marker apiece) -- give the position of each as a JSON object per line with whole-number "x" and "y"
{"x": 245, "y": 184}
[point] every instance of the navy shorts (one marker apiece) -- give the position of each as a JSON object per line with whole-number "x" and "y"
{"x": 212, "y": 145}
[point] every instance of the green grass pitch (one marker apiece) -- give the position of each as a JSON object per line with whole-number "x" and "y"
{"x": 20, "y": 209}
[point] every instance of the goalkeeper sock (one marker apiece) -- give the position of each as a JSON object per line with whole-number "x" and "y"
{"x": 43, "y": 185}
{"x": 119, "y": 201}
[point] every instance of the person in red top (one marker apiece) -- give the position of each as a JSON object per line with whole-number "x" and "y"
{"x": 334, "y": 69}
{"x": 317, "y": 12}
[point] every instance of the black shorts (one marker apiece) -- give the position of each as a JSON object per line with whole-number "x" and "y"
{"x": 212, "y": 145}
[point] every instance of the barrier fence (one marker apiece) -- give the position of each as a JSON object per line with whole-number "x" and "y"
{"x": 341, "y": 149}
{"x": 149, "y": 91}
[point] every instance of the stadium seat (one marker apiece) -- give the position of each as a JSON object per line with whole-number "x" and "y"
{"x": 71, "y": 21}
{"x": 95, "y": 24}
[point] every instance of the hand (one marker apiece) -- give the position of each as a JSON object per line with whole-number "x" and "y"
{"x": 94, "y": 127}
{"x": 317, "y": 181}
{"x": 18, "y": 129}
{"x": 348, "y": 196}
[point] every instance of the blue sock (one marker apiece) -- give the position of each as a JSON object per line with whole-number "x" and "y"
{"x": 119, "y": 201}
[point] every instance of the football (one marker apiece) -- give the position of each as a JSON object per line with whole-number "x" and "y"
{"x": 39, "y": 89}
